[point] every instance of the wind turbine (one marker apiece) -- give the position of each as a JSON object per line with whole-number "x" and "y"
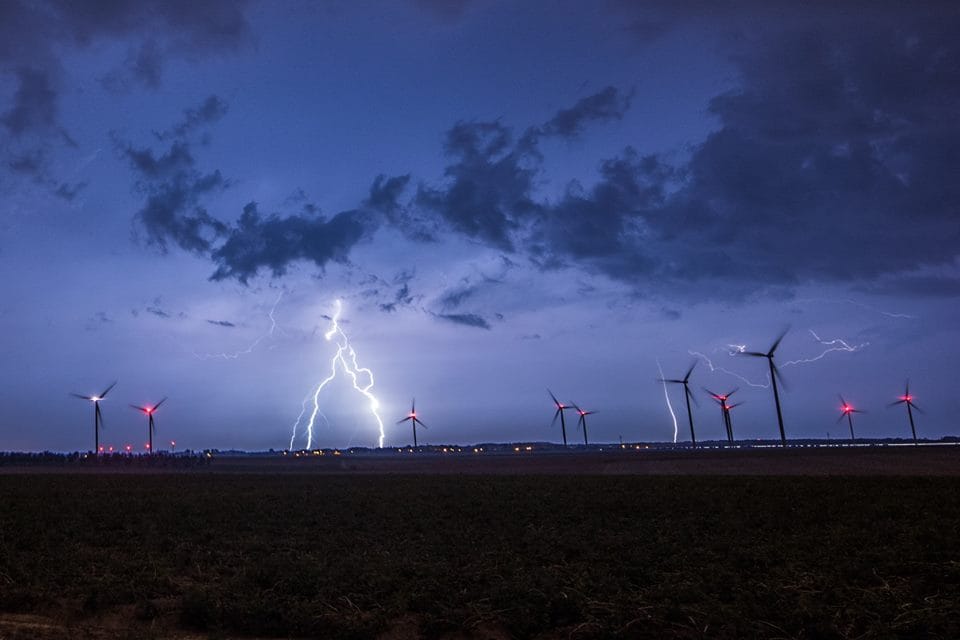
{"x": 150, "y": 428}
{"x": 560, "y": 409}
{"x": 582, "y": 422}
{"x": 97, "y": 416}
{"x": 774, "y": 376}
{"x": 907, "y": 399}
{"x": 685, "y": 381}
{"x": 414, "y": 420}
{"x": 721, "y": 399}
{"x": 845, "y": 412}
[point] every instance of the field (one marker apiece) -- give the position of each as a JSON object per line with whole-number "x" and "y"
{"x": 326, "y": 555}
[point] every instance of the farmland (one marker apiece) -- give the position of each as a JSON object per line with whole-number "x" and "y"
{"x": 477, "y": 556}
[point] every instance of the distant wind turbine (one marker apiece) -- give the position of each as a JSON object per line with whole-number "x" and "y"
{"x": 774, "y": 376}
{"x": 846, "y": 411}
{"x": 688, "y": 395}
{"x": 560, "y": 409}
{"x": 150, "y": 426}
{"x": 721, "y": 400}
{"x": 97, "y": 416}
{"x": 907, "y": 399}
{"x": 414, "y": 420}
{"x": 582, "y": 422}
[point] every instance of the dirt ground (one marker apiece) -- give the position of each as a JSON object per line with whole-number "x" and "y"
{"x": 925, "y": 460}
{"x": 895, "y": 460}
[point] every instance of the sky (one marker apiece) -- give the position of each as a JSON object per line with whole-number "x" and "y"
{"x": 504, "y": 197}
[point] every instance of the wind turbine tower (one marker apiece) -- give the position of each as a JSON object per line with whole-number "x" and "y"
{"x": 907, "y": 399}
{"x": 560, "y": 409}
{"x": 149, "y": 411}
{"x": 414, "y": 420}
{"x": 774, "y": 376}
{"x": 688, "y": 396}
{"x": 846, "y": 411}
{"x": 582, "y": 422}
{"x": 97, "y": 416}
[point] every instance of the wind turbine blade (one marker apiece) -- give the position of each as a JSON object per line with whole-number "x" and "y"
{"x": 858, "y": 411}
{"x": 842, "y": 401}
{"x": 107, "y": 390}
{"x": 553, "y": 397}
{"x": 144, "y": 409}
{"x": 780, "y": 378}
{"x": 916, "y": 408}
{"x": 674, "y": 381}
{"x": 156, "y": 406}
{"x": 689, "y": 371}
{"x": 413, "y": 405}
{"x": 77, "y": 395}
{"x": 777, "y": 342}
{"x": 405, "y": 419}
{"x": 420, "y": 422}
{"x": 730, "y": 393}
{"x": 843, "y": 415}
{"x": 715, "y": 395}
{"x": 907, "y": 387}
{"x": 893, "y": 404}
{"x": 589, "y": 413}
{"x": 755, "y": 354}
{"x": 691, "y": 396}
{"x": 555, "y": 416}
{"x": 731, "y": 406}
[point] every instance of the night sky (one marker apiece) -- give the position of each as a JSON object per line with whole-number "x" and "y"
{"x": 505, "y": 196}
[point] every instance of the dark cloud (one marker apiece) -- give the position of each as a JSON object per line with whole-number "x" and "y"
{"x": 385, "y": 192}
{"x": 174, "y": 187}
{"x": 34, "y": 103}
{"x": 466, "y": 319}
{"x": 34, "y": 36}
{"x": 30, "y": 163}
{"x": 834, "y": 160}
{"x": 385, "y": 197}
{"x": 208, "y": 112}
{"x": 273, "y": 242}
{"x": 608, "y": 104}
{"x": 70, "y": 191}
{"x": 173, "y": 212}
{"x": 402, "y": 297}
{"x": 222, "y": 323}
{"x": 488, "y": 191}
{"x": 455, "y": 297}
{"x": 147, "y": 64}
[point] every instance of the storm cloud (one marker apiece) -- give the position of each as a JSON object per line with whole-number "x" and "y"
{"x": 35, "y": 36}
{"x": 257, "y": 242}
{"x": 819, "y": 154}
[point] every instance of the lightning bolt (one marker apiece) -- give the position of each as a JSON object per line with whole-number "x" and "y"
{"x": 832, "y": 345}
{"x": 713, "y": 368}
{"x": 666, "y": 396}
{"x": 857, "y": 303}
{"x": 345, "y": 358}
{"x": 253, "y": 345}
